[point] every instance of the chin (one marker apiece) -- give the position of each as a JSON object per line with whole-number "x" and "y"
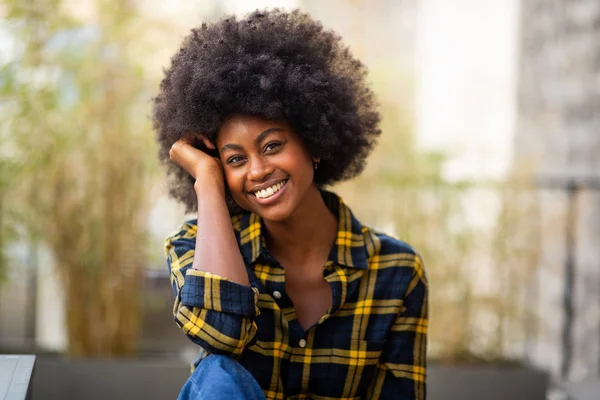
{"x": 274, "y": 215}
{"x": 277, "y": 212}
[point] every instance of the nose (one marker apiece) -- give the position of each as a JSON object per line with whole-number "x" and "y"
{"x": 260, "y": 169}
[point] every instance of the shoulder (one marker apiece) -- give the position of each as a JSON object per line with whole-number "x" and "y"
{"x": 187, "y": 231}
{"x": 390, "y": 245}
{"x": 389, "y": 253}
{"x": 182, "y": 239}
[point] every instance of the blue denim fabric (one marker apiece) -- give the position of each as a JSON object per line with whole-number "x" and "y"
{"x": 221, "y": 377}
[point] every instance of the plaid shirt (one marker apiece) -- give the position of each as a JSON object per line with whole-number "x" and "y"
{"x": 371, "y": 344}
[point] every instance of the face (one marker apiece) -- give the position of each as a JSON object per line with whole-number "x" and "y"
{"x": 268, "y": 169}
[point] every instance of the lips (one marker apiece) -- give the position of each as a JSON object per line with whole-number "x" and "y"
{"x": 269, "y": 191}
{"x": 268, "y": 194}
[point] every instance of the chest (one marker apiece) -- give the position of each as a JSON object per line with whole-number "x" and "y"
{"x": 335, "y": 357}
{"x": 310, "y": 294}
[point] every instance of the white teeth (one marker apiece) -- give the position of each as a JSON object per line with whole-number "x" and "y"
{"x": 268, "y": 192}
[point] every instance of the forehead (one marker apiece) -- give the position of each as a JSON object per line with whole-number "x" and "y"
{"x": 245, "y": 127}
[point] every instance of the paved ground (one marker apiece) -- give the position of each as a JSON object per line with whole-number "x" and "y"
{"x": 584, "y": 390}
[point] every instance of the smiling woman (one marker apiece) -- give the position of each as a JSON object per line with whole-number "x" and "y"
{"x": 287, "y": 294}
{"x": 268, "y": 168}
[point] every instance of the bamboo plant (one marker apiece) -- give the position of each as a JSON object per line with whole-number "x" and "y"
{"x": 78, "y": 116}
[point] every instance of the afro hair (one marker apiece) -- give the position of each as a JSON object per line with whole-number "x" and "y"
{"x": 273, "y": 64}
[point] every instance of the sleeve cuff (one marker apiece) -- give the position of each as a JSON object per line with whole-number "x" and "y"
{"x": 212, "y": 292}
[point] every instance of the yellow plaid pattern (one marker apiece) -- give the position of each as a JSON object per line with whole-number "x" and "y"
{"x": 371, "y": 343}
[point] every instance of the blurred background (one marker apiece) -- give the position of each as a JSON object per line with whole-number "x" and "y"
{"x": 489, "y": 164}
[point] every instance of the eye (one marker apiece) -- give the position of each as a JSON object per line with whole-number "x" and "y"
{"x": 233, "y": 160}
{"x": 272, "y": 146}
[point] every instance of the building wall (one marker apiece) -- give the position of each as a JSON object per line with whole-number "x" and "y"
{"x": 465, "y": 84}
{"x": 558, "y": 138}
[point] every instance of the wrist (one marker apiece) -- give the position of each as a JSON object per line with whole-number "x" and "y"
{"x": 209, "y": 187}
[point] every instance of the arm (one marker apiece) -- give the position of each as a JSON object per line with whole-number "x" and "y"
{"x": 216, "y": 246}
{"x": 214, "y": 304}
{"x": 401, "y": 372}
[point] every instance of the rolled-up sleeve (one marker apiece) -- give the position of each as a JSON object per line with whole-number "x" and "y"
{"x": 212, "y": 311}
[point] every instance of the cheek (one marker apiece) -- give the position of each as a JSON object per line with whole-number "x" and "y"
{"x": 233, "y": 181}
{"x": 235, "y": 187}
{"x": 298, "y": 161}
{"x": 305, "y": 167}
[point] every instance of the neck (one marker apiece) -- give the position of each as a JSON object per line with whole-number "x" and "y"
{"x": 310, "y": 230}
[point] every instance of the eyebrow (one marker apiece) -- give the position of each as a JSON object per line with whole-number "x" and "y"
{"x": 261, "y": 136}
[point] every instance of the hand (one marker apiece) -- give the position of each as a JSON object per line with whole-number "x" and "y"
{"x": 204, "y": 168}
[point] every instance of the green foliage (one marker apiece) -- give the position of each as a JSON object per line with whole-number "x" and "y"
{"x": 77, "y": 127}
{"x": 8, "y": 171}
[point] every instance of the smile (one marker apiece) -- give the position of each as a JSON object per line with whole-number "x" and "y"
{"x": 270, "y": 191}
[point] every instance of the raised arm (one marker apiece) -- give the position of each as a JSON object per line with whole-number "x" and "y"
{"x": 214, "y": 304}
{"x": 216, "y": 247}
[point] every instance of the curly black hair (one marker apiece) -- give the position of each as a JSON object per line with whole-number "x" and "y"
{"x": 280, "y": 66}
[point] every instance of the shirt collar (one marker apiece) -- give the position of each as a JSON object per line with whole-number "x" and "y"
{"x": 348, "y": 250}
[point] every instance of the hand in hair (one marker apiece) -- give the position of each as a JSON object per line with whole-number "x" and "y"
{"x": 202, "y": 165}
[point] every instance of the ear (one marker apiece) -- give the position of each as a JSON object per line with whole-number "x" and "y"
{"x": 316, "y": 161}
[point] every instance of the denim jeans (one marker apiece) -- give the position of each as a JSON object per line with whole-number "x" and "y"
{"x": 221, "y": 377}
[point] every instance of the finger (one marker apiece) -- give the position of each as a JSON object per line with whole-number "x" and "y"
{"x": 208, "y": 144}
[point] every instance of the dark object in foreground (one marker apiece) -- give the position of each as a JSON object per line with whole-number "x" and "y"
{"x": 485, "y": 381}
{"x": 108, "y": 379}
{"x": 57, "y": 378}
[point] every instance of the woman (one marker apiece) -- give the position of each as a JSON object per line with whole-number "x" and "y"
{"x": 285, "y": 292}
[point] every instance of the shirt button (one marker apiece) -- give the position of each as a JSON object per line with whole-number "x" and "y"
{"x": 276, "y": 294}
{"x": 302, "y": 343}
